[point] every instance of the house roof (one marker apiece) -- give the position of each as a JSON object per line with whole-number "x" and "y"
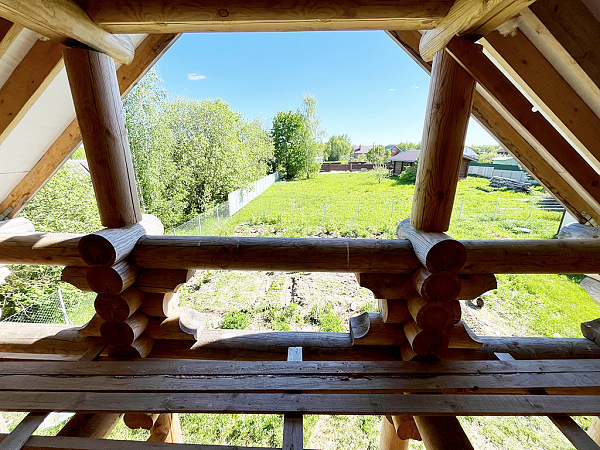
{"x": 413, "y": 155}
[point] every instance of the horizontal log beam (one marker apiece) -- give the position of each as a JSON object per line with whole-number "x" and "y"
{"x": 228, "y": 403}
{"x": 178, "y": 16}
{"x": 66, "y": 22}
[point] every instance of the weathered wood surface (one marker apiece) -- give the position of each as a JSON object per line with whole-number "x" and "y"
{"x": 430, "y": 315}
{"x": 23, "y": 431}
{"x": 370, "y": 329}
{"x": 155, "y": 281}
{"x": 89, "y": 425}
{"x": 442, "y": 433}
{"x": 259, "y": 15}
{"x": 185, "y": 323}
{"x": 77, "y": 276}
{"x": 594, "y": 430}
{"x": 448, "y": 110}
{"x": 111, "y": 245}
{"x": 461, "y": 336}
{"x": 125, "y": 332}
{"x": 436, "y": 251}
{"x": 140, "y": 420}
{"x": 160, "y": 305}
{"x": 139, "y": 348}
{"x": 391, "y": 286}
{"x": 437, "y": 286}
{"x": 59, "y": 249}
{"x": 237, "y": 403}
{"x": 405, "y": 427}
{"x": 591, "y": 331}
{"x": 95, "y": 91}
{"x": 393, "y": 311}
{"x": 472, "y": 286}
{"x": 592, "y": 287}
{"x": 16, "y": 225}
{"x": 425, "y": 342}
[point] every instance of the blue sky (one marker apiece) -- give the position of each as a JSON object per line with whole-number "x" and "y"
{"x": 366, "y": 86}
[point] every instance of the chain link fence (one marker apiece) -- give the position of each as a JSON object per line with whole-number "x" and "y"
{"x": 72, "y": 308}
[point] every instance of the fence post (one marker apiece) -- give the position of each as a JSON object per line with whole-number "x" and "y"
{"x": 496, "y": 210}
{"x": 392, "y": 215}
{"x": 62, "y": 307}
{"x": 199, "y": 225}
{"x": 460, "y": 211}
{"x": 218, "y": 218}
{"x": 531, "y": 210}
{"x": 358, "y": 216}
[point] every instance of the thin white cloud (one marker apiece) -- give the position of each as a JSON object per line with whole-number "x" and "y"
{"x": 391, "y": 89}
{"x": 195, "y": 77}
{"x": 414, "y": 86}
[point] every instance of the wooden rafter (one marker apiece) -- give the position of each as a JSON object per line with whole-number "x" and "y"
{"x": 66, "y": 22}
{"x": 27, "y": 82}
{"x": 474, "y": 18}
{"x": 8, "y": 33}
{"x": 510, "y": 138}
{"x": 558, "y": 100}
{"x": 177, "y": 16}
{"x": 576, "y": 28}
{"x": 518, "y": 107}
{"x": 147, "y": 53}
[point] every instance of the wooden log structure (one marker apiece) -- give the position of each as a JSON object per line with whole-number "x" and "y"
{"x": 406, "y": 427}
{"x": 431, "y": 315}
{"x": 125, "y": 332}
{"x": 472, "y": 286}
{"x": 591, "y": 330}
{"x": 77, "y": 276}
{"x": 448, "y": 111}
{"x": 136, "y": 421}
{"x": 425, "y": 342}
{"x": 95, "y": 90}
{"x": 388, "y": 438}
{"x": 183, "y": 323}
{"x": 162, "y": 281}
{"x": 109, "y": 246}
{"x": 140, "y": 348}
{"x": 160, "y": 305}
{"x": 461, "y": 336}
{"x": 441, "y": 433}
{"x": 121, "y": 306}
{"x": 16, "y": 225}
{"x": 370, "y": 329}
{"x": 90, "y": 425}
{"x": 114, "y": 279}
{"x": 393, "y": 311}
{"x": 438, "y": 286}
{"x": 390, "y": 286}
{"x": 436, "y": 251}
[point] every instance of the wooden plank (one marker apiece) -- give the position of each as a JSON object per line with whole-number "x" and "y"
{"x": 509, "y": 136}
{"x": 178, "y": 16}
{"x": 518, "y": 106}
{"x": 466, "y": 16}
{"x": 576, "y": 383}
{"x": 8, "y": 34}
{"x": 83, "y": 443}
{"x": 94, "y": 87}
{"x": 27, "y": 82}
{"x": 293, "y": 437}
{"x": 147, "y": 53}
{"x": 23, "y": 431}
{"x": 573, "y": 432}
{"x": 184, "y": 368}
{"x": 519, "y": 56}
{"x": 239, "y": 403}
{"x": 65, "y": 21}
{"x": 576, "y": 28}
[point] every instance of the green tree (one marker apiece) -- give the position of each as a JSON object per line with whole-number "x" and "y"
{"x": 377, "y": 154}
{"x": 288, "y": 139}
{"x": 338, "y": 147}
{"x": 404, "y": 146}
{"x": 313, "y": 134}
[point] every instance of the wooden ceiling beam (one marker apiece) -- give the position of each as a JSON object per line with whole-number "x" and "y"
{"x": 177, "y": 16}
{"x": 550, "y": 91}
{"x": 65, "y": 21}
{"x": 147, "y": 53}
{"x": 518, "y": 106}
{"x": 8, "y": 33}
{"x": 510, "y": 138}
{"x": 474, "y": 18}
{"x": 576, "y": 28}
{"x": 27, "y": 82}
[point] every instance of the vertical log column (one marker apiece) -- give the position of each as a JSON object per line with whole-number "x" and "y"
{"x": 448, "y": 111}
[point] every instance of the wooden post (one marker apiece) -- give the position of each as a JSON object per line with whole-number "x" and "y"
{"x": 92, "y": 425}
{"x": 442, "y": 433}
{"x": 388, "y": 439}
{"x": 293, "y": 432}
{"x": 99, "y": 109}
{"x": 594, "y": 430}
{"x": 448, "y": 110}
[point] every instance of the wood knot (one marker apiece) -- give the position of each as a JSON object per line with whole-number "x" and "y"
{"x": 223, "y": 12}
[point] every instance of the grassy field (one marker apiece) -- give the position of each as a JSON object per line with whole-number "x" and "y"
{"x": 355, "y": 205}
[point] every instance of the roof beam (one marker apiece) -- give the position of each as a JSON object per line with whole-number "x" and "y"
{"x": 65, "y": 21}
{"x": 27, "y": 82}
{"x": 475, "y": 18}
{"x": 510, "y": 138}
{"x": 556, "y": 98}
{"x": 575, "y": 28}
{"x": 147, "y": 53}
{"x": 519, "y": 107}
{"x": 177, "y": 16}
{"x": 8, "y": 33}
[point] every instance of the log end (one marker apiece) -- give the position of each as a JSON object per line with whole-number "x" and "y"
{"x": 96, "y": 250}
{"x": 448, "y": 255}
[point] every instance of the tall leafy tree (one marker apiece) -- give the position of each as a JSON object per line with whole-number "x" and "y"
{"x": 313, "y": 134}
{"x": 288, "y": 139}
{"x": 338, "y": 147}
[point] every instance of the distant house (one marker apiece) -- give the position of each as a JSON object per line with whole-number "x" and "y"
{"x": 393, "y": 149}
{"x": 360, "y": 150}
{"x": 409, "y": 158}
